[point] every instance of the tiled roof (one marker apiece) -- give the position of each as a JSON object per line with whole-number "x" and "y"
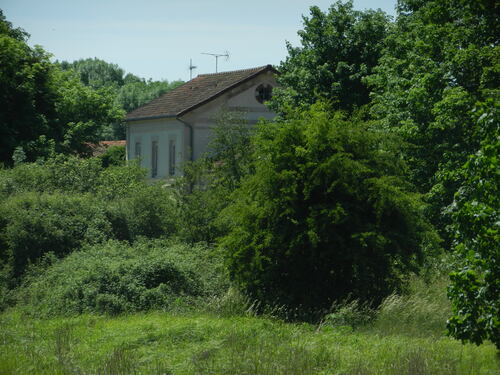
{"x": 113, "y": 143}
{"x": 101, "y": 147}
{"x": 194, "y": 93}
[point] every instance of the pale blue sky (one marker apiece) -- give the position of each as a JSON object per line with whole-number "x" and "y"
{"x": 155, "y": 39}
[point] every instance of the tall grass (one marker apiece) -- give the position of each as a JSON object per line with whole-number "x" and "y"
{"x": 162, "y": 343}
{"x": 421, "y": 312}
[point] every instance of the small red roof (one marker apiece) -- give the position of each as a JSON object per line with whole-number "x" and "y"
{"x": 113, "y": 143}
{"x": 194, "y": 93}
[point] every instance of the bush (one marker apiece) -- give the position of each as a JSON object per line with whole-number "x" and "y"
{"x": 117, "y": 277}
{"x": 61, "y": 173}
{"x": 67, "y": 202}
{"x": 33, "y": 224}
{"x": 114, "y": 156}
{"x": 326, "y": 216}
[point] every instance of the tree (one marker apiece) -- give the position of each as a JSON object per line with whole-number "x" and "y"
{"x": 326, "y": 215}
{"x": 338, "y": 50}
{"x": 208, "y": 182}
{"x": 135, "y": 93}
{"x": 475, "y": 286}
{"x": 27, "y": 92}
{"x": 46, "y": 110}
{"x": 440, "y": 59}
{"x": 96, "y": 73}
{"x": 128, "y": 91}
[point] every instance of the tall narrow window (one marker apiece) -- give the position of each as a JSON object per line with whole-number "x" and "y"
{"x": 137, "y": 149}
{"x": 154, "y": 158}
{"x": 171, "y": 157}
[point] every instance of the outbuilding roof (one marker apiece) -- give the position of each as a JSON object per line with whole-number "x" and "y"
{"x": 194, "y": 93}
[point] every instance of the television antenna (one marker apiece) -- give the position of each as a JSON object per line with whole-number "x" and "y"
{"x": 217, "y": 55}
{"x": 191, "y": 68}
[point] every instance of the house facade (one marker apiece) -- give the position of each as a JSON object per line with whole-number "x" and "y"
{"x": 176, "y": 127}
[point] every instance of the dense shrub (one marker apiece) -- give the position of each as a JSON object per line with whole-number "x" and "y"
{"x": 326, "y": 216}
{"x": 117, "y": 277}
{"x": 32, "y": 224}
{"x": 61, "y": 173}
{"x": 114, "y": 155}
{"x": 66, "y": 202}
{"x": 145, "y": 211}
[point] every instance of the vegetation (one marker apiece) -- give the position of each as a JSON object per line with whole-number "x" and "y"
{"x": 214, "y": 343}
{"x": 116, "y": 278}
{"x": 326, "y": 216}
{"x": 54, "y": 108}
{"x": 128, "y": 90}
{"x": 350, "y": 211}
{"x": 339, "y": 50}
{"x": 65, "y": 203}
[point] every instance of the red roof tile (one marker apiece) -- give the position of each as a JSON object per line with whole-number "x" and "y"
{"x": 113, "y": 143}
{"x": 194, "y": 93}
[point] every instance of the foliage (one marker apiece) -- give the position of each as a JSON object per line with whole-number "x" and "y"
{"x": 113, "y": 156}
{"x": 338, "y": 50}
{"x": 84, "y": 111}
{"x": 45, "y": 109}
{"x": 60, "y": 173}
{"x": 128, "y": 91}
{"x": 208, "y": 182}
{"x": 441, "y": 58}
{"x": 326, "y": 216}
{"x": 168, "y": 343}
{"x": 26, "y": 91}
{"x": 475, "y": 286}
{"x": 33, "y": 224}
{"x": 116, "y": 277}
{"x": 138, "y": 92}
{"x": 96, "y": 73}
{"x": 230, "y": 149}
{"x": 66, "y": 202}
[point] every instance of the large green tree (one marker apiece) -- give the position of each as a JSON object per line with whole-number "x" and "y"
{"x": 475, "y": 287}
{"x": 326, "y": 216}
{"x": 339, "y": 48}
{"x": 128, "y": 90}
{"x": 441, "y": 57}
{"x": 45, "y": 110}
{"x": 96, "y": 73}
{"x": 27, "y": 93}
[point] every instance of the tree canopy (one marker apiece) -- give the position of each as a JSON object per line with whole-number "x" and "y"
{"x": 45, "y": 110}
{"x": 326, "y": 216}
{"x": 339, "y": 49}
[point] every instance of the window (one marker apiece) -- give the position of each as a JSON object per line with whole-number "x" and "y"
{"x": 263, "y": 93}
{"x": 154, "y": 158}
{"x": 171, "y": 157}
{"x": 137, "y": 149}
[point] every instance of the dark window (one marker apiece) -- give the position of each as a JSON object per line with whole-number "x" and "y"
{"x": 263, "y": 93}
{"x": 171, "y": 159}
{"x": 137, "y": 149}
{"x": 154, "y": 159}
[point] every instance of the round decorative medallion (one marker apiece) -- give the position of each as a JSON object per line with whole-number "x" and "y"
{"x": 263, "y": 92}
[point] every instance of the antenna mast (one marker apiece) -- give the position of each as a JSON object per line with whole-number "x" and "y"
{"x": 217, "y": 55}
{"x": 191, "y": 68}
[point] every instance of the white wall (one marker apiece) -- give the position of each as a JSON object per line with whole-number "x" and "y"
{"x": 162, "y": 131}
{"x": 241, "y": 99}
{"x": 202, "y": 120}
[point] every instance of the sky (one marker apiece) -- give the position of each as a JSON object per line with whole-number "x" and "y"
{"x": 157, "y": 38}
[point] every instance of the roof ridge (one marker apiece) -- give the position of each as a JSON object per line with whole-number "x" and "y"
{"x": 236, "y": 71}
{"x": 195, "y": 92}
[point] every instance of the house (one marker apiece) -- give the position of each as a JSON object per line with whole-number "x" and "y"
{"x": 176, "y": 127}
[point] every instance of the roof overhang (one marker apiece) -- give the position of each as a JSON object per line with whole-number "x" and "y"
{"x": 265, "y": 69}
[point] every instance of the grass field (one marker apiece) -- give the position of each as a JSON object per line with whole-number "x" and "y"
{"x": 167, "y": 343}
